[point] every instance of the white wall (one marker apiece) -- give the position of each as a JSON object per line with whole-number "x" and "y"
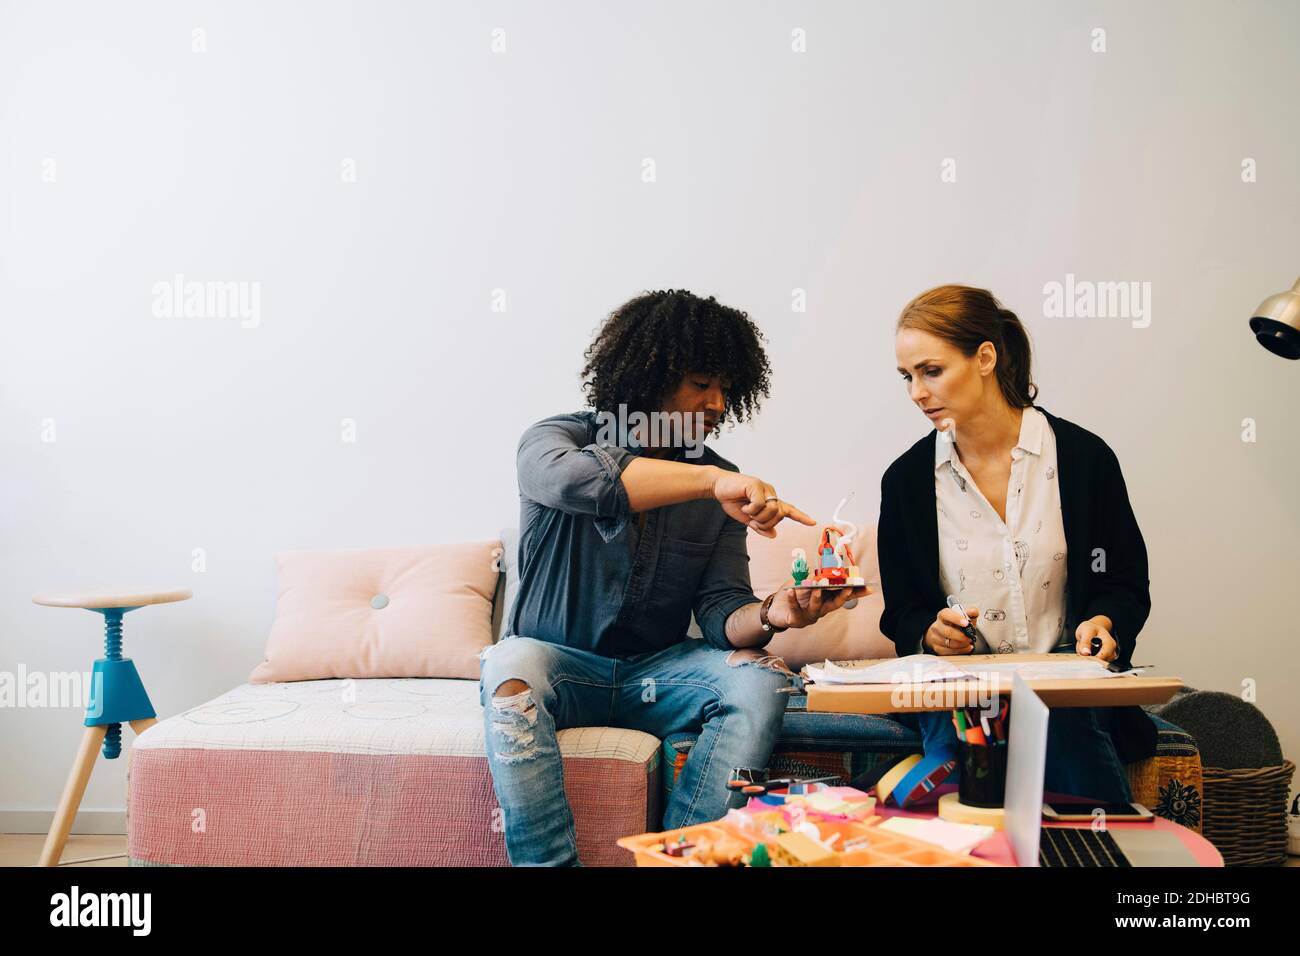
{"x": 522, "y": 171}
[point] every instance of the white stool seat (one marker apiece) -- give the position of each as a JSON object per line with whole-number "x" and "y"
{"x": 98, "y": 598}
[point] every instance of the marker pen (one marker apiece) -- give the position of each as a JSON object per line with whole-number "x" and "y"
{"x": 967, "y": 627}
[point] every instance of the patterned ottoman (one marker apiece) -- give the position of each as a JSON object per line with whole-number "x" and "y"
{"x": 387, "y": 772}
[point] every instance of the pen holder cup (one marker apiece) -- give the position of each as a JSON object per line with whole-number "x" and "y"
{"x": 983, "y": 774}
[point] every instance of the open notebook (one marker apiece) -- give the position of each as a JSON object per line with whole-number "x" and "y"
{"x": 925, "y": 668}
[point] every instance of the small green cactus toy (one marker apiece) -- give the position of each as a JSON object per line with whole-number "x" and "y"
{"x": 799, "y": 569}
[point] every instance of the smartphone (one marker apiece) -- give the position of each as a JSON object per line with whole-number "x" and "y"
{"x": 1059, "y": 811}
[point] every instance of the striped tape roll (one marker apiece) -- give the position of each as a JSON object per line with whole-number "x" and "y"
{"x": 885, "y": 786}
{"x": 932, "y": 770}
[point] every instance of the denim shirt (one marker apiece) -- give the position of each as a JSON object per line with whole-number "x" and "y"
{"x": 589, "y": 579}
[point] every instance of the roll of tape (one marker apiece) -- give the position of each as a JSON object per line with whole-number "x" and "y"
{"x": 927, "y": 774}
{"x": 885, "y": 786}
{"x": 954, "y": 811}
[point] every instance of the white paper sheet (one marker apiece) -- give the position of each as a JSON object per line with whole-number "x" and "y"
{"x": 954, "y": 837}
{"x": 1070, "y": 667}
{"x": 915, "y": 668}
{"x": 925, "y": 668}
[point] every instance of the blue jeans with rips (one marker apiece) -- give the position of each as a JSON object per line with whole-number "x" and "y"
{"x": 735, "y": 700}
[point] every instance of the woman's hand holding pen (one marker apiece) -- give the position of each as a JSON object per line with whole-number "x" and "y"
{"x": 1096, "y": 628}
{"x": 945, "y": 636}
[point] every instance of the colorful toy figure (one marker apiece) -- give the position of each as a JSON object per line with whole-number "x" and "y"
{"x": 799, "y": 569}
{"x": 837, "y": 563}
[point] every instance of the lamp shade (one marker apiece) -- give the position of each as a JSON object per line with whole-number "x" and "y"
{"x": 1276, "y": 323}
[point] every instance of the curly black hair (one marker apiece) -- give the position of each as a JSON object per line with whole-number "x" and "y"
{"x": 649, "y": 343}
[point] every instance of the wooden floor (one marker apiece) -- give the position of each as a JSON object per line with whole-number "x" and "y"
{"x": 98, "y": 849}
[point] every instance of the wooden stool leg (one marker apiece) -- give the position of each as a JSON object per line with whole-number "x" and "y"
{"x": 73, "y": 791}
{"x": 143, "y": 724}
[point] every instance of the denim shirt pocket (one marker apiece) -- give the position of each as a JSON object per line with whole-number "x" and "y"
{"x": 681, "y": 566}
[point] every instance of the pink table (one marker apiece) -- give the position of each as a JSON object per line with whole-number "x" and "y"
{"x": 997, "y": 848}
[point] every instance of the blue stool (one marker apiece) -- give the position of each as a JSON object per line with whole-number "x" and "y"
{"x": 117, "y": 697}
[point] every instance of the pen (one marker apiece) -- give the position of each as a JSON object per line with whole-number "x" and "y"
{"x": 967, "y": 627}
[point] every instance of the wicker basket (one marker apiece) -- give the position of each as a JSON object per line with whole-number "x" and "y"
{"x": 1245, "y": 813}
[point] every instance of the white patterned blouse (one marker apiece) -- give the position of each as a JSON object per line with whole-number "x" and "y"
{"x": 1013, "y": 571}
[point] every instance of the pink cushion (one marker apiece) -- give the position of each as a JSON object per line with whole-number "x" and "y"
{"x": 842, "y": 635}
{"x": 390, "y": 612}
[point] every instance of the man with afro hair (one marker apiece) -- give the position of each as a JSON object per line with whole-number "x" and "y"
{"x": 629, "y": 525}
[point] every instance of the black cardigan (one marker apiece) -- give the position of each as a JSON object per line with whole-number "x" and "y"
{"x": 1096, "y": 514}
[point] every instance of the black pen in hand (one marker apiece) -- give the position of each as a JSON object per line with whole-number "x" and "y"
{"x": 968, "y": 628}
